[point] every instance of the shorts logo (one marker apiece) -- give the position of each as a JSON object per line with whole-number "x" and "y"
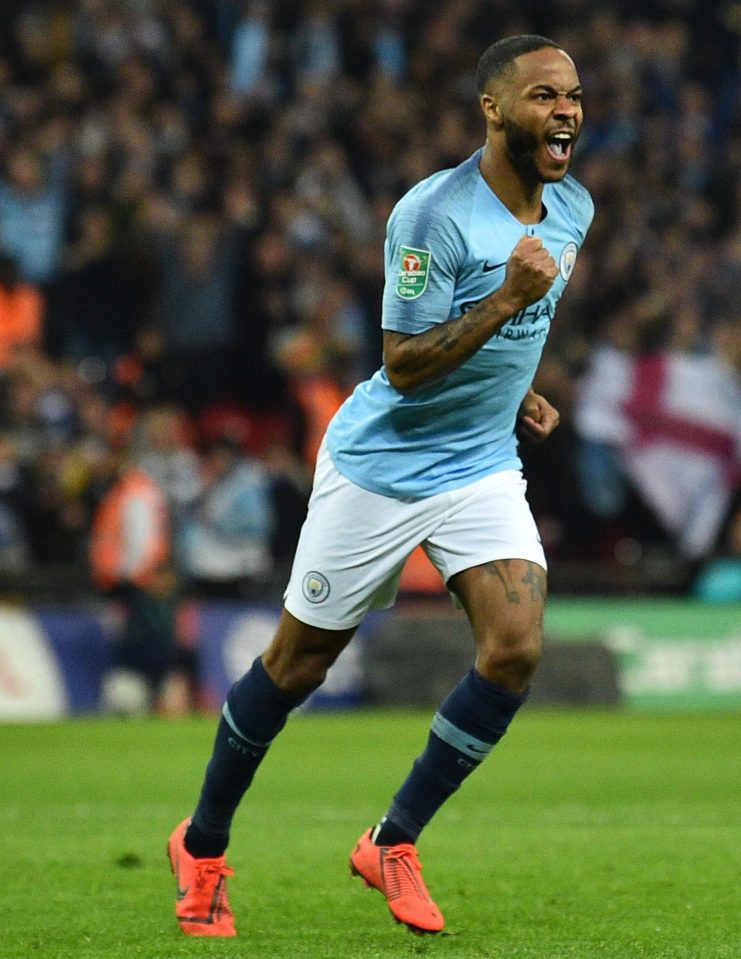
{"x": 567, "y": 261}
{"x": 315, "y": 587}
{"x": 414, "y": 273}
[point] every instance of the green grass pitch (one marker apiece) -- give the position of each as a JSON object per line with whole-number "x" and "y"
{"x": 586, "y": 835}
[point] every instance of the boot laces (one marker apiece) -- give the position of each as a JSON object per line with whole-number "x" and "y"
{"x": 209, "y": 872}
{"x": 402, "y": 870}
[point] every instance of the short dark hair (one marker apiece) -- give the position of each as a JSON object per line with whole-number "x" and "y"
{"x": 497, "y": 58}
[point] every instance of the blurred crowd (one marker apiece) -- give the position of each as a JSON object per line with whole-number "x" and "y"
{"x": 193, "y": 196}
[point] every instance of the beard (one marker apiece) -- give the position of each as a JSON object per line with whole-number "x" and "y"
{"x": 521, "y": 146}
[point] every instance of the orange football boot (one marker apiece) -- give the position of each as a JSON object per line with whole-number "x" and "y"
{"x": 202, "y": 906}
{"x": 396, "y": 872}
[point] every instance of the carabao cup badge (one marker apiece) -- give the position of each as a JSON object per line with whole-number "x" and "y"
{"x": 414, "y": 272}
{"x": 315, "y": 587}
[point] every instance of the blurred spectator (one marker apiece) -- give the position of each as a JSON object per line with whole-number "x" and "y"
{"x": 316, "y": 42}
{"x": 602, "y": 430}
{"x": 224, "y": 543}
{"x": 319, "y": 356}
{"x": 163, "y": 442}
{"x": 250, "y": 55}
{"x": 21, "y": 312}
{"x": 91, "y": 307}
{"x": 195, "y": 308}
{"x": 14, "y": 494}
{"x": 389, "y": 48}
{"x": 130, "y": 547}
{"x": 142, "y": 377}
{"x": 719, "y": 579}
{"x": 32, "y": 213}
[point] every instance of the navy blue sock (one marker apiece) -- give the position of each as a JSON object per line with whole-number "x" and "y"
{"x": 464, "y": 730}
{"x": 254, "y": 713}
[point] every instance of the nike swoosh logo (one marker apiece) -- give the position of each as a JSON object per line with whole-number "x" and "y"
{"x": 475, "y": 749}
{"x": 488, "y": 267}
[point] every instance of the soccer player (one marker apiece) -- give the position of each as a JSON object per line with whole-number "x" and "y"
{"x": 425, "y": 452}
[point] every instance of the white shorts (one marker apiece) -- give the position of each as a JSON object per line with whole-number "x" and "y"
{"x": 353, "y": 544}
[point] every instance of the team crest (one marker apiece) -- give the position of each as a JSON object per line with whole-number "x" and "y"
{"x": 567, "y": 261}
{"x": 315, "y": 587}
{"x": 414, "y": 273}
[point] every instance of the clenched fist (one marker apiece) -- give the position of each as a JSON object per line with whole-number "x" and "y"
{"x": 530, "y": 273}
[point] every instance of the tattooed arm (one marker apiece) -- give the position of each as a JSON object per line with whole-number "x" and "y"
{"x": 415, "y": 360}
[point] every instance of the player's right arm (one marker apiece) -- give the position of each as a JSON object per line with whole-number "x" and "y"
{"x": 414, "y": 360}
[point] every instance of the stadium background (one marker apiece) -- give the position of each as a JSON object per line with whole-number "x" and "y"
{"x": 192, "y": 204}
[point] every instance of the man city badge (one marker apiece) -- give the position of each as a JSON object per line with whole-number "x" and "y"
{"x": 315, "y": 587}
{"x": 567, "y": 261}
{"x": 414, "y": 273}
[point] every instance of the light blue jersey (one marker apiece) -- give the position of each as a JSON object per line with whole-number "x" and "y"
{"x": 447, "y": 244}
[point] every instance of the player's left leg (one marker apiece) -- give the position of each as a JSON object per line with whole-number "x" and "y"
{"x": 504, "y": 600}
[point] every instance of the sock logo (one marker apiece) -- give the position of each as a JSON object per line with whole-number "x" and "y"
{"x": 463, "y": 742}
{"x": 315, "y": 587}
{"x": 245, "y": 750}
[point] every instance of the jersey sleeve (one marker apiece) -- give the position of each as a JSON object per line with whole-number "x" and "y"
{"x": 581, "y": 207}
{"x": 423, "y": 256}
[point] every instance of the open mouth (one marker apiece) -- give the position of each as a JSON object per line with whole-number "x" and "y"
{"x": 559, "y": 146}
